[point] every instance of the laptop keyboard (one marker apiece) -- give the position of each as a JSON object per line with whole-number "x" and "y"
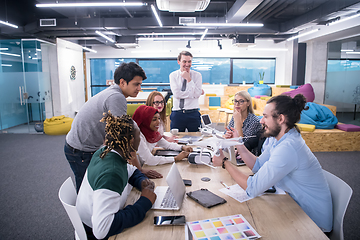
{"x": 168, "y": 200}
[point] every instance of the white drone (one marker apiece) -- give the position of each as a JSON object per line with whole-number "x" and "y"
{"x": 215, "y": 144}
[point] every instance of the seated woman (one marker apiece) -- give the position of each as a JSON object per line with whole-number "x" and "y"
{"x": 148, "y": 120}
{"x": 245, "y": 121}
{"x": 157, "y": 101}
{"x": 108, "y": 181}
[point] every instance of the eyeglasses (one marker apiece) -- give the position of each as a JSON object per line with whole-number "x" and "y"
{"x": 157, "y": 103}
{"x": 240, "y": 102}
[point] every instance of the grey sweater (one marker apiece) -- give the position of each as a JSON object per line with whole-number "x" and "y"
{"x": 87, "y": 132}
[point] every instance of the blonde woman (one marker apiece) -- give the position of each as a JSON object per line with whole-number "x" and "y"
{"x": 244, "y": 120}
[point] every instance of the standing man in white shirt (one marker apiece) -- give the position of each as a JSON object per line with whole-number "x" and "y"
{"x": 186, "y": 86}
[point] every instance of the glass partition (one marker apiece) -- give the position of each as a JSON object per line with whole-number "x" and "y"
{"x": 25, "y": 90}
{"x": 342, "y": 87}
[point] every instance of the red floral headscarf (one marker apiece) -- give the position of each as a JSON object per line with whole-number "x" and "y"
{"x": 143, "y": 117}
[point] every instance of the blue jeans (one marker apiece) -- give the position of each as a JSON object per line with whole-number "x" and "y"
{"x": 79, "y": 161}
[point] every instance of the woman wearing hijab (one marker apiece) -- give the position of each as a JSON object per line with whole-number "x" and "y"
{"x": 157, "y": 101}
{"x": 148, "y": 120}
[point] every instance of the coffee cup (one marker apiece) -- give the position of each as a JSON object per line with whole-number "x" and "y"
{"x": 174, "y": 131}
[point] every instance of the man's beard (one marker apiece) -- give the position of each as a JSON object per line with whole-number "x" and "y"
{"x": 272, "y": 132}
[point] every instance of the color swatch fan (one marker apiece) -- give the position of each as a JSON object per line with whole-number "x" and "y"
{"x": 230, "y": 227}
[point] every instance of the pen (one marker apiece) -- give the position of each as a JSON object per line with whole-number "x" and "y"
{"x": 224, "y": 184}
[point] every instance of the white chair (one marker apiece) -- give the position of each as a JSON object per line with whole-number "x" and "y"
{"x": 67, "y": 196}
{"x": 340, "y": 193}
{"x": 220, "y": 110}
{"x": 228, "y": 112}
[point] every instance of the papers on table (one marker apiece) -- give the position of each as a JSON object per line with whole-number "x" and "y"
{"x": 240, "y": 195}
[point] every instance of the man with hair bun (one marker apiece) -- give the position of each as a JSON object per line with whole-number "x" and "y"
{"x": 286, "y": 162}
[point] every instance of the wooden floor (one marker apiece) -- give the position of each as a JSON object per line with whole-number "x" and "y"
{"x": 321, "y": 140}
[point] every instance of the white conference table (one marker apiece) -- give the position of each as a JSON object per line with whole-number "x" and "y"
{"x": 272, "y": 216}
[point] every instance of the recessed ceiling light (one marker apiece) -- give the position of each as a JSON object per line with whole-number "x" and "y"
{"x": 91, "y": 4}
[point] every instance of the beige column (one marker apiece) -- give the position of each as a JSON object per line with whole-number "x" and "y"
{"x": 315, "y": 71}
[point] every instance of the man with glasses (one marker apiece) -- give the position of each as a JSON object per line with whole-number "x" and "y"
{"x": 186, "y": 86}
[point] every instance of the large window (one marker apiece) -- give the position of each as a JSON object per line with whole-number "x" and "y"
{"x": 158, "y": 70}
{"x": 253, "y": 70}
{"x": 102, "y": 70}
{"x": 213, "y": 70}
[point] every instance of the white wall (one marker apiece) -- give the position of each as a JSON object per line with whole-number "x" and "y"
{"x": 70, "y": 93}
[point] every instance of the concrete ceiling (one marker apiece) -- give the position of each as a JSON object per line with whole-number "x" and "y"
{"x": 281, "y": 19}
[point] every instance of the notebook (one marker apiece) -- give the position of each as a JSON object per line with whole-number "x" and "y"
{"x": 170, "y": 197}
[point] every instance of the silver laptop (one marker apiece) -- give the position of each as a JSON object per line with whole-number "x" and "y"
{"x": 171, "y": 197}
{"x": 231, "y": 155}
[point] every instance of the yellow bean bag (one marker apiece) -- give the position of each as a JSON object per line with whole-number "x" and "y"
{"x": 306, "y": 127}
{"x": 229, "y": 103}
{"x": 59, "y": 125}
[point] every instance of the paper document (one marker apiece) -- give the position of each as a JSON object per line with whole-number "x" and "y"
{"x": 240, "y": 195}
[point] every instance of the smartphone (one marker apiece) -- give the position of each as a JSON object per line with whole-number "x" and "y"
{"x": 187, "y": 182}
{"x": 169, "y": 220}
{"x": 271, "y": 190}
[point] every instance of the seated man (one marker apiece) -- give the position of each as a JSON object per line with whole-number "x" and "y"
{"x": 286, "y": 162}
{"x": 106, "y": 184}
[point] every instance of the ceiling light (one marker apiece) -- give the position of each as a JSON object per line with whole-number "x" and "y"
{"x": 89, "y": 49}
{"x": 8, "y": 24}
{"x": 6, "y": 65}
{"x": 169, "y": 33}
{"x": 352, "y": 52}
{"x": 10, "y": 54}
{"x": 168, "y": 39}
{"x": 151, "y": 51}
{"x": 224, "y": 24}
{"x": 343, "y": 19}
{"x": 303, "y": 34}
{"x": 346, "y": 50}
{"x": 156, "y": 15}
{"x": 4, "y": 49}
{"x": 267, "y": 49}
{"x": 91, "y": 4}
{"x": 104, "y": 36}
{"x": 205, "y": 32}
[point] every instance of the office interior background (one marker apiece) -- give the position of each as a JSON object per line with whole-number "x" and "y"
{"x": 55, "y": 59}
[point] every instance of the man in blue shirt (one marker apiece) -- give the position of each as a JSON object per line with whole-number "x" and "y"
{"x": 286, "y": 162}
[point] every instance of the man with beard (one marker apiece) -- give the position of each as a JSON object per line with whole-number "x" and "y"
{"x": 286, "y": 162}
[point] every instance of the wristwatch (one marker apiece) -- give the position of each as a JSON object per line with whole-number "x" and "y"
{"x": 223, "y": 162}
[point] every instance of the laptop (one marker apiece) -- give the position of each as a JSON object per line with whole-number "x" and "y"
{"x": 170, "y": 197}
{"x": 231, "y": 155}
